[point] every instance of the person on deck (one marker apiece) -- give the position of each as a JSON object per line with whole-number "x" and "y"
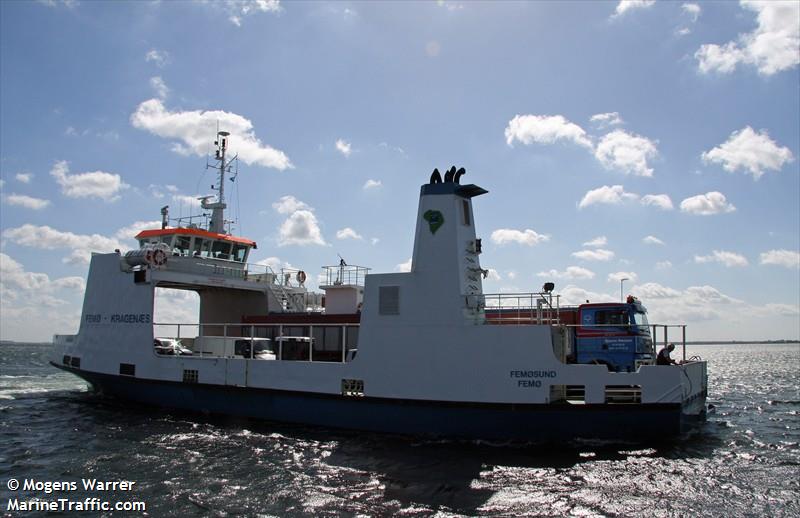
{"x": 663, "y": 356}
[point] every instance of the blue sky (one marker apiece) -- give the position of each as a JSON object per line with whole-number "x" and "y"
{"x": 651, "y": 140}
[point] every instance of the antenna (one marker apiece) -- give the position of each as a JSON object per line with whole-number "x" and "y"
{"x": 218, "y": 207}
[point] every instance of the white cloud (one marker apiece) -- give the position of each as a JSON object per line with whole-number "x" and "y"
{"x": 95, "y": 184}
{"x": 13, "y": 276}
{"x": 625, "y": 6}
{"x": 450, "y": 6}
{"x": 33, "y": 306}
{"x": 186, "y": 201}
{"x": 692, "y": 10}
{"x": 433, "y": 48}
{"x": 785, "y": 310}
{"x": 573, "y": 295}
{"x": 372, "y": 184}
{"x": 24, "y": 177}
{"x": 343, "y": 147}
{"x": 695, "y": 303}
{"x": 273, "y": 262}
{"x": 289, "y": 204}
{"x": 626, "y": 152}
{"x": 527, "y": 237}
{"x": 771, "y": 47}
{"x": 710, "y": 294}
{"x": 348, "y": 233}
{"x": 404, "y": 267}
{"x": 69, "y": 4}
{"x": 134, "y": 228}
{"x": 159, "y": 57}
{"x": 682, "y": 31}
{"x": 29, "y": 202}
{"x": 612, "y": 195}
{"x": 746, "y": 149}
{"x": 652, "y": 240}
{"x": 2, "y": 182}
{"x": 238, "y": 9}
{"x": 787, "y": 258}
{"x": 544, "y": 129}
{"x": 300, "y": 228}
{"x": 511, "y": 275}
{"x": 47, "y": 238}
{"x": 707, "y": 204}
{"x": 196, "y": 129}
{"x": 493, "y": 275}
{"x": 604, "y": 120}
{"x": 159, "y": 86}
{"x": 729, "y": 259}
{"x": 663, "y": 265}
{"x": 653, "y": 290}
{"x": 662, "y": 201}
{"x": 374, "y": 241}
{"x": 599, "y": 254}
{"x": 598, "y": 241}
{"x": 618, "y": 276}
{"x": 572, "y": 272}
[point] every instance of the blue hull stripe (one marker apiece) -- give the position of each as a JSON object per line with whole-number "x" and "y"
{"x": 501, "y": 421}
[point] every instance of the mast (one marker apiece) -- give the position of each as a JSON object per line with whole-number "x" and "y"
{"x": 217, "y": 224}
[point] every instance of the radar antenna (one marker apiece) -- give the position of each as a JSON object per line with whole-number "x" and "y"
{"x": 217, "y": 224}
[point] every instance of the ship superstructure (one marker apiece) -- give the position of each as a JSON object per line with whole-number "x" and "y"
{"x": 420, "y": 352}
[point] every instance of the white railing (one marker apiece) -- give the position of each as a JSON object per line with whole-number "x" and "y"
{"x": 229, "y": 340}
{"x": 522, "y": 308}
{"x": 344, "y": 275}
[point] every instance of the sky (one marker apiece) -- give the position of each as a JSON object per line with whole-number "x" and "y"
{"x": 648, "y": 140}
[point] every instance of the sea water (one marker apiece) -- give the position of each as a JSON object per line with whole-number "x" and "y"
{"x": 743, "y": 461}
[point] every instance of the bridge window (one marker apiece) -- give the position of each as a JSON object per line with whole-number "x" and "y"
{"x": 182, "y": 244}
{"x": 239, "y": 253}
{"x": 221, "y": 250}
{"x": 197, "y": 246}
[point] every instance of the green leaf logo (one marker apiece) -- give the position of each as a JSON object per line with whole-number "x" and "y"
{"x": 434, "y": 219}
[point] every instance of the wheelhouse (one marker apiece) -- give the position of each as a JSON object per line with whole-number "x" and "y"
{"x": 195, "y": 242}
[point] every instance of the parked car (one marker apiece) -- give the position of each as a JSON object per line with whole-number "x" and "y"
{"x": 170, "y": 347}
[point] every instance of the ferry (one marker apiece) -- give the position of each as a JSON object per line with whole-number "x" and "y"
{"x": 423, "y": 352}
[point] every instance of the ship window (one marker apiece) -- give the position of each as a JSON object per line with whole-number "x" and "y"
{"x": 182, "y": 244}
{"x": 206, "y": 248}
{"x": 127, "y": 369}
{"x": 190, "y": 376}
{"x": 389, "y": 300}
{"x": 142, "y": 243}
{"x": 239, "y": 253}
{"x": 221, "y": 250}
{"x": 167, "y": 240}
{"x": 352, "y": 337}
{"x": 197, "y": 246}
{"x": 465, "y": 211}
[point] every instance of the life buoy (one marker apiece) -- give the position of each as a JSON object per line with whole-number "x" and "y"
{"x": 148, "y": 255}
{"x": 301, "y": 276}
{"x": 159, "y": 258}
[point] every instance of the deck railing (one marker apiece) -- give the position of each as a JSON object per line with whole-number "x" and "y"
{"x": 522, "y": 308}
{"x": 290, "y": 341}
